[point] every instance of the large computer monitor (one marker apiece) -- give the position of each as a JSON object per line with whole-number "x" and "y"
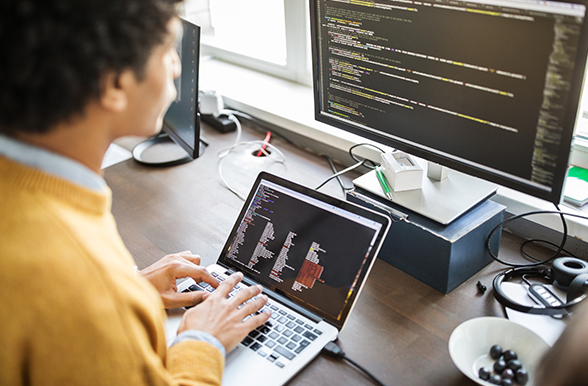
{"x": 181, "y": 123}
{"x": 490, "y": 88}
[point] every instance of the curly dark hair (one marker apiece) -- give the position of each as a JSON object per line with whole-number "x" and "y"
{"x": 54, "y": 53}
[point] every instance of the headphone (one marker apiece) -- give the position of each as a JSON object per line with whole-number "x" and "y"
{"x": 567, "y": 273}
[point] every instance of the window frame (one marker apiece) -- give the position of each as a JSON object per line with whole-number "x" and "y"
{"x": 297, "y": 68}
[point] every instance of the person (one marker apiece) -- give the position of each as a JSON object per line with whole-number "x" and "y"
{"x": 564, "y": 364}
{"x": 74, "y": 76}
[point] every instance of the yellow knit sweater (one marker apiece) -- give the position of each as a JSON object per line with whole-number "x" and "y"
{"x": 72, "y": 310}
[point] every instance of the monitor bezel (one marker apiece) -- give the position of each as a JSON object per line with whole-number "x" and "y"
{"x": 193, "y": 149}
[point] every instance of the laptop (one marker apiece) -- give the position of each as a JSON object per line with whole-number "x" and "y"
{"x": 312, "y": 254}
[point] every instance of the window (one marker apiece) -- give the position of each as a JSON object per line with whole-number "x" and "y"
{"x": 271, "y": 36}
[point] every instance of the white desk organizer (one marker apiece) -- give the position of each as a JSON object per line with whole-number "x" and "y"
{"x": 402, "y": 171}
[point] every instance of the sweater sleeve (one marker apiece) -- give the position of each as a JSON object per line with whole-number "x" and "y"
{"x": 195, "y": 363}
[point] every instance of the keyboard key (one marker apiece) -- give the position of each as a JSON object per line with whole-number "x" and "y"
{"x": 285, "y": 353}
{"x": 279, "y": 328}
{"x": 270, "y": 343}
{"x": 304, "y": 344}
{"x": 262, "y": 338}
{"x": 282, "y": 312}
{"x": 290, "y": 324}
{"x": 287, "y": 333}
{"x": 247, "y": 341}
{"x": 291, "y": 345}
{"x": 280, "y": 365}
{"x": 273, "y": 307}
{"x": 299, "y": 321}
{"x": 254, "y": 333}
{"x": 296, "y": 338}
{"x": 282, "y": 340}
{"x": 275, "y": 315}
{"x": 282, "y": 319}
{"x": 290, "y": 316}
{"x": 255, "y": 346}
{"x": 299, "y": 329}
{"x": 317, "y": 331}
{"x": 274, "y": 335}
{"x": 272, "y": 358}
{"x": 262, "y": 353}
{"x": 308, "y": 326}
{"x": 309, "y": 335}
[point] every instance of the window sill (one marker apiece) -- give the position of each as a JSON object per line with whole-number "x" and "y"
{"x": 290, "y": 106}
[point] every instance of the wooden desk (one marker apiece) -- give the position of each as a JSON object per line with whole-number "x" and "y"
{"x": 400, "y": 327}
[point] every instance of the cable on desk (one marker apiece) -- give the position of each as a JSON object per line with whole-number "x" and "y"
{"x": 368, "y": 163}
{"x": 352, "y": 167}
{"x": 264, "y": 146}
{"x": 334, "y": 169}
{"x": 359, "y": 162}
{"x": 333, "y": 350}
{"x": 537, "y": 261}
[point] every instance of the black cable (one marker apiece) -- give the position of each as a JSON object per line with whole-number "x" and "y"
{"x": 371, "y": 163}
{"x": 333, "y": 350}
{"x": 526, "y": 242}
{"x": 338, "y": 174}
{"x": 538, "y": 262}
{"x": 360, "y": 162}
{"x": 335, "y": 171}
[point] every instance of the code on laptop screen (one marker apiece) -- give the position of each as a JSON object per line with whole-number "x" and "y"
{"x": 303, "y": 248}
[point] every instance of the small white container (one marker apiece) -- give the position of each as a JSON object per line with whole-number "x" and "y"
{"x": 402, "y": 171}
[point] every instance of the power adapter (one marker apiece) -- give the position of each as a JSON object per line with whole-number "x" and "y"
{"x": 221, "y": 122}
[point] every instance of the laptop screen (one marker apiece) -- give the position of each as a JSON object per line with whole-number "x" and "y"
{"x": 309, "y": 247}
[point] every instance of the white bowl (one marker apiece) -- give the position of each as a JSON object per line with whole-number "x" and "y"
{"x": 470, "y": 342}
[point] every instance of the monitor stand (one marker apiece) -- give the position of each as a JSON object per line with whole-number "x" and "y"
{"x": 161, "y": 150}
{"x": 442, "y": 201}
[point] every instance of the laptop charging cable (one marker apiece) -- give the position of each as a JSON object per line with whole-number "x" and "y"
{"x": 333, "y": 350}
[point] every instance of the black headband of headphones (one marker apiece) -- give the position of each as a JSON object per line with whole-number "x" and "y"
{"x": 576, "y": 285}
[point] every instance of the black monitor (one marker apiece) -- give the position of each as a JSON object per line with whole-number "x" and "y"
{"x": 181, "y": 123}
{"x": 490, "y": 88}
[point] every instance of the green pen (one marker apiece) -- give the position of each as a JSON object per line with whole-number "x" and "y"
{"x": 383, "y": 182}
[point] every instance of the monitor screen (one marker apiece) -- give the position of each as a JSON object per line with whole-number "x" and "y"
{"x": 487, "y": 87}
{"x": 181, "y": 121}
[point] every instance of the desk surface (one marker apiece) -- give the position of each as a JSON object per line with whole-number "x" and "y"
{"x": 400, "y": 327}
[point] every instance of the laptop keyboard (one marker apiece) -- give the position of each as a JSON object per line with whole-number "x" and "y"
{"x": 281, "y": 338}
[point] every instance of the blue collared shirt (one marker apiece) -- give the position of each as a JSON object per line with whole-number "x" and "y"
{"x": 50, "y": 163}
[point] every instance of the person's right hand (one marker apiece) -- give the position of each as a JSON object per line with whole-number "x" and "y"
{"x": 222, "y": 317}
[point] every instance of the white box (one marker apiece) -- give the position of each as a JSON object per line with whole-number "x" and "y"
{"x": 402, "y": 171}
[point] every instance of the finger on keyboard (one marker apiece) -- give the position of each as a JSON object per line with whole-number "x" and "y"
{"x": 227, "y": 285}
{"x": 254, "y": 306}
{"x": 247, "y": 293}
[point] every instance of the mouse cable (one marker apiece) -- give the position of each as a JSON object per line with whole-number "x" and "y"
{"x": 333, "y": 350}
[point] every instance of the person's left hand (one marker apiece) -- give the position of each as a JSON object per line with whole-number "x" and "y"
{"x": 163, "y": 275}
